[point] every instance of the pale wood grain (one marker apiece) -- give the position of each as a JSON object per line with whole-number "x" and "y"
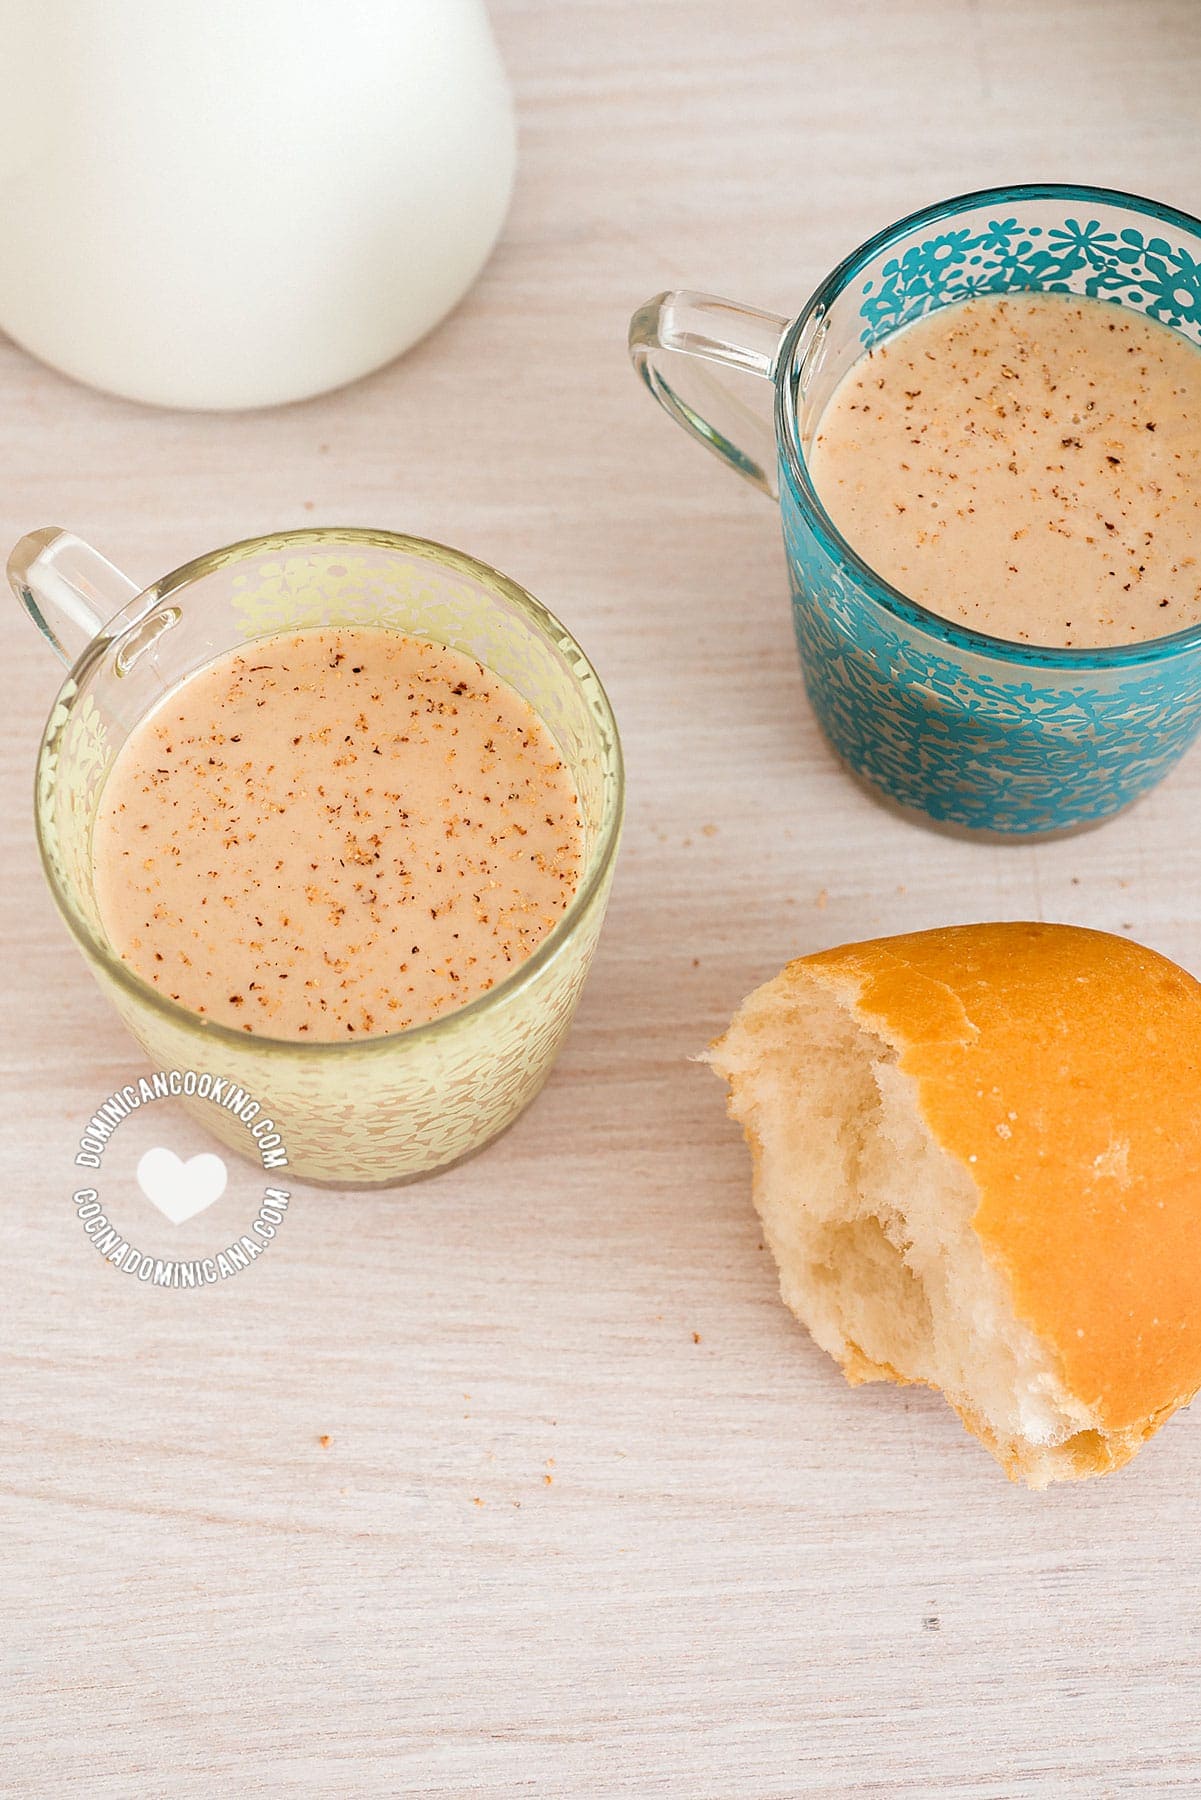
{"x": 743, "y": 1578}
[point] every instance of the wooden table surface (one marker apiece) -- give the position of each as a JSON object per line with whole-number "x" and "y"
{"x": 593, "y": 1517}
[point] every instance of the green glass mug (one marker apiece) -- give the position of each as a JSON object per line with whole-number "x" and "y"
{"x": 386, "y": 1109}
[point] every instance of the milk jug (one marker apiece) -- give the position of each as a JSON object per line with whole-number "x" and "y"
{"x": 234, "y": 203}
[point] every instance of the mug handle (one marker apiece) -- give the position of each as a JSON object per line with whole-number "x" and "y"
{"x": 708, "y": 330}
{"x": 69, "y": 590}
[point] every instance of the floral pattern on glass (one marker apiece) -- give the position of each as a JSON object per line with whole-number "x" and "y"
{"x": 983, "y": 746}
{"x": 1006, "y": 255}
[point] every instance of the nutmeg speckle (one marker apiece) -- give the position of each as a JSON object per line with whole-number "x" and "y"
{"x": 301, "y": 809}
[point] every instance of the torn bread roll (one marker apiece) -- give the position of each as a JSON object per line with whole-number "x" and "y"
{"x": 977, "y": 1158}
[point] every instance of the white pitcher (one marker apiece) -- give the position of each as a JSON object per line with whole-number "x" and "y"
{"x": 233, "y": 203}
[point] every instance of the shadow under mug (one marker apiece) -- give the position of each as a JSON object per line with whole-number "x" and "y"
{"x": 380, "y": 1110}
{"x": 964, "y": 730}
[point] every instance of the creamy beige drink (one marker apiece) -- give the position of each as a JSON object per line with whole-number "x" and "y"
{"x": 335, "y": 833}
{"x": 1029, "y": 465}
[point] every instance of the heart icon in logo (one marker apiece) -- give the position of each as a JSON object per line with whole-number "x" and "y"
{"x": 181, "y": 1189}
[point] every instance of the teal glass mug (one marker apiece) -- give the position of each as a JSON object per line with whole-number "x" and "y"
{"x": 963, "y": 730}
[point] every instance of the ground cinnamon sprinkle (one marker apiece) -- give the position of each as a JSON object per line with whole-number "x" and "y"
{"x": 352, "y": 833}
{"x": 1028, "y": 464}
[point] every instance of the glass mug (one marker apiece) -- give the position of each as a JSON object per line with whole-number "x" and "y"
{"x": 384, "y": 1109}
{"x": 961, "y": 729}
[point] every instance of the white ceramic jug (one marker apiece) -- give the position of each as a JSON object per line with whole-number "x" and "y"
{"x": 233, "y": 203}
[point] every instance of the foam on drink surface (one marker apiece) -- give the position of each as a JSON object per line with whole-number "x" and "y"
{"x": 1029, "y": 465}
{"x": 335, "y": 833}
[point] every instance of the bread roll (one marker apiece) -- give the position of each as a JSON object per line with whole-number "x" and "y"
{"x": 977, "y": 1158}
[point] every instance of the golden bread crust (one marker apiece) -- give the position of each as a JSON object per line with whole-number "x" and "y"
{"x": 1063, "y": 1067}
